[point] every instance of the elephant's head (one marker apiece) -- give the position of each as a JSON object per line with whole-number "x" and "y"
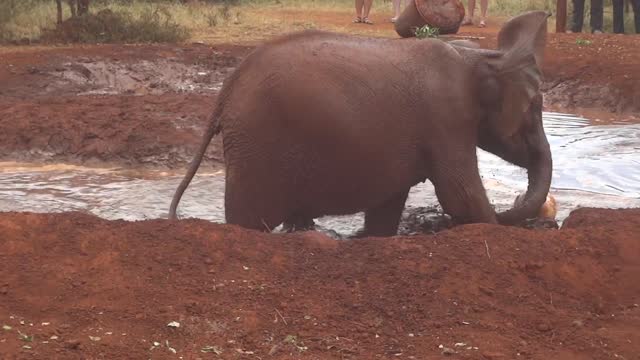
{"x": 507, "y": 82}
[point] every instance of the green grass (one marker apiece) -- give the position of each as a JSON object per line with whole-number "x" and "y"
{"x": 583, "y": 42}
{"x": 427, "y": 32}
{"x": 509, "y": 8}
{"x": 109, "y": 26}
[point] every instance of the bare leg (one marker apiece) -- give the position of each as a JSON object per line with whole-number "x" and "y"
{"x": 484, "y": 4}
{"x": 397, "y": 9}
{"x": 359, "y": 6}
{"x": 367, "y": 9}
{"x": 469, "y": 17}
{"x": 383, "y": 220}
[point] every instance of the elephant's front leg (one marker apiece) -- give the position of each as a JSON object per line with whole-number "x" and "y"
{"x": 460, "y": 192}
{"x": 383, "y": 220}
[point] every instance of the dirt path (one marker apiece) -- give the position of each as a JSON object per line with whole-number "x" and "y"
{"x": 76, "y": 287}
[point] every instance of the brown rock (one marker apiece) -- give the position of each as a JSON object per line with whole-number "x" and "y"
{"x": 73, "y": 344}
{"x": 448, "y": 351}
{"x": 490, "y": 355}
{"x": 544, "y": 327}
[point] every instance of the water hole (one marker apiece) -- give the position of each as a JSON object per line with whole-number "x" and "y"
{"x": 594, "y": 166}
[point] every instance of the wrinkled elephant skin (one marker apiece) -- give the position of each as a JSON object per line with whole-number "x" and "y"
{"x": 317, "y": 123}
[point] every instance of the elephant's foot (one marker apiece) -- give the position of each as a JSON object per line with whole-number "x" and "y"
{"x": 460, "y": 191}
{"x": 384, "y": 219}
{"x": 298, "y": 224}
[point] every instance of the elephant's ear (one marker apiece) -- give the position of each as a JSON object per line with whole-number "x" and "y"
{"x": 530, "y": 28}
{"x": 521, "y": 42}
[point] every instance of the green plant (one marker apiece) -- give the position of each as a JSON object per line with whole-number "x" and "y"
{"x": 583, "y": 42}
{"x": 225, "y": 12}
{"x": 212, "y": 19}
{"x": 9, "y": 10}
{"x": 427, "y": 32}
{"x": 107, "y": 26}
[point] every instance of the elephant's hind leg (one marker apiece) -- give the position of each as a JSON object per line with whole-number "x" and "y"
{"x": 261, "y": 211}
{"x": 383, "y": 220}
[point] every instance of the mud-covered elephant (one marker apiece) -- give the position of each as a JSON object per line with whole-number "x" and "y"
{"x": 317, "y": 123}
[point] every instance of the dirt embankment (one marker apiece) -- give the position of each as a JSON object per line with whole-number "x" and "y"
{"x": 147, "y": 105}
{"x": 594, "y": 75}
{"x": 601, "y": 77}
{"x": 113, "y": 104}
{"x": 74, "y": 286}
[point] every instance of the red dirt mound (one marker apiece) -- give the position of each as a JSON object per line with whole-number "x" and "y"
{"x": 73, "y": 286}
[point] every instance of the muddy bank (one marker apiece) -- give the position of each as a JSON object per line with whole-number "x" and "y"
{"x": 602, "y": 76}
{"x": 163, "y": 130}
{"x": 147, "y": 105}
{"x": 588, "y": 74}
{"x": 123, "y": 105}
{"x": 75, "y": 286}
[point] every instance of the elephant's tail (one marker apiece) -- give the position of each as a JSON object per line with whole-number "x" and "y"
{"x": 214, "y": 129}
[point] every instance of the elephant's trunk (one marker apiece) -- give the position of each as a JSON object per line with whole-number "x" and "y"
{"x": 539, "y": 169}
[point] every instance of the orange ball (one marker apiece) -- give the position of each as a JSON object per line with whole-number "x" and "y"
{"x": 548, "y": 210}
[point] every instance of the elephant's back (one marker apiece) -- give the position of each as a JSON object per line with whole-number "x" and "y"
{"x": 329, "y": 127}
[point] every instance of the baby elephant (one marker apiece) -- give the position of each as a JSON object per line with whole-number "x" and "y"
{"x": 317, "y": 123}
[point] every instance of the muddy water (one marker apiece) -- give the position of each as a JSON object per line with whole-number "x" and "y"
{"x": 594, "y": 165}
{"x": 100, "y": 77}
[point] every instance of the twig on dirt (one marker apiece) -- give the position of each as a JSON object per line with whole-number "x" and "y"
{"x": 551, "y": 299}
{"x": 486, "y": 246}
{"x": 463, "y": 37}
{"x": 281, "y": 317}
{"x": 265, "y": 225}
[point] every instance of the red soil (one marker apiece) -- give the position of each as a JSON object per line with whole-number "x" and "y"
{"x": 556, "y": 294}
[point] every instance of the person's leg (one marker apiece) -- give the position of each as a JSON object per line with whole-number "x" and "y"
{"x": 366, "y": 10}
{"x": 468, "y": 20}
{"x": 484, "y": 4}
{"x": 636, "y": 14}
{"x": 618, "y": 16}
{"x": 359, "y": 6}
{"x": 596, "y": 16}
{"x": 578, "y": 16}
{"x": 396, "y": 9}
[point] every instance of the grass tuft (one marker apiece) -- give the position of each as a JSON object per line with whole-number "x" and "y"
{"x": 107, "y": 26}
{"x": 427, "y": 32}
